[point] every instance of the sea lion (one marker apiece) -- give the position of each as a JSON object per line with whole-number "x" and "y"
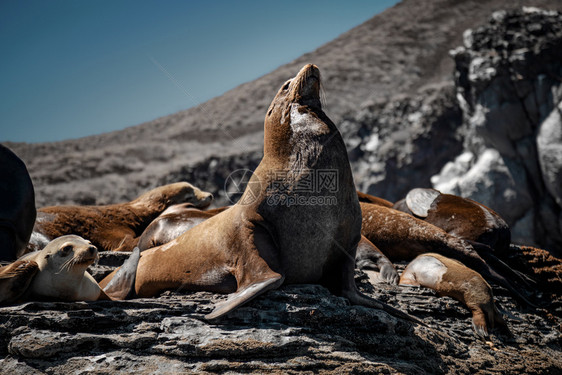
{"x": 173, "y": 222}
{"x": 277, "y": 232}
{"x": 62, "y": 273}
{"x": 17, "y": 205}
{"x": 15, "y": 278}
{"x": 401, "y": 236}
{"x": 459, "y": 217}
{"x": 115, "y": 227}
{"x": 179, "y": 218}
{"x": 449, "y": 277}
{"x": 367, "y": 198}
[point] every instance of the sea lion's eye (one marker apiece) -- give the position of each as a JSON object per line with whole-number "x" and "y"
{"x": 66, "y": 250}
{"x": 286, "y": 85}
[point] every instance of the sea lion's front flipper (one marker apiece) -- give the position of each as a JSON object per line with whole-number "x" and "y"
{"x": 255, "y": 277}
{"x": 246, "y": 294}
{"x": 124, "y": 279}
{"x": 419, "y": 200}
{"x": 369, "y": 257}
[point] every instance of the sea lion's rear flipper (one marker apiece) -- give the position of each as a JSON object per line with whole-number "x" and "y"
{"x": 479, "y": 323}
{"x": 369, "y": 257}
{"x": 419, "y": 200}
{"x": 246, "y": 294}
{"x": 123, "y": 280}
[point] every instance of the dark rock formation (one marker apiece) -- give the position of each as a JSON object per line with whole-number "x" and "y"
{"x": 508, "y": 78}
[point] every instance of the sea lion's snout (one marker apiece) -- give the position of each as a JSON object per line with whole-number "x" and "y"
{"x": 306, "y": 84}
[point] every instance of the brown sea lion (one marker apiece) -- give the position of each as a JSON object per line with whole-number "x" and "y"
{"x": 62, "y": 274}
{"x": 172, "y": 223}
{"x": 115, "y": 227}
{"x": 449, "y": 277}
{"x": 17, "y": 206}
{"x": 458, "y": 216}
{"x": 401, "y": 236}
{"x": 278, "y": 232}
{"x": 15, "y": 278}
{"x": 367, "y": 198}
{"x": 179, "y": 218}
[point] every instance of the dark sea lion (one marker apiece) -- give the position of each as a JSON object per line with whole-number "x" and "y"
{"x": 278, "y": 232}
{"x": 62, "y": 274}
{"x": 115, "y": 227}
{"x": 15, "y": 279}
{"x": 17, "y": 205}
{"x": 367, "y": 198}
{"x": 459, "y": 217}
{"x": 401, "y": 236}
{"x": 172, "y": 223}
{"x": 449, "y": 277}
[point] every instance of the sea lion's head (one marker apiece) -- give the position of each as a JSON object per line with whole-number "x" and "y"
{"x": 15, "y": 278}
{"x": 69, "y": 253}
{"x": 296, "y": 110}
{"x": 176, "y": 193}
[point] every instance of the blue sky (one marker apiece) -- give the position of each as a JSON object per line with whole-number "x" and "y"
{"x": 75, "y": 68}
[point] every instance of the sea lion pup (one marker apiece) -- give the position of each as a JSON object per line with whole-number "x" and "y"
{"x": 401, "y": 236}
{"x": 62, "y": 274}
{"x": 449, "y": 277}
{"x": 367, "y": 198}
{"x": 17, "y": 206}
{"x": 172, "y": 223}
{"x": 369, "y": 257}
{"x": 14, "y": 280}
{"x": 115, "y": 227}
{"x": 459, "y": 217}
{"x": 277, "y": 232}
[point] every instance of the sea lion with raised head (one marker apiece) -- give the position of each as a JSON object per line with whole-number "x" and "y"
{"x": 298, "y": 220}
{"x": 115, "y": 227}
{"x": 62, "y": 274}
{"x": 172, "y": 223}
{"x": 459, "y": 217}
{"x": 401, "y": 236}
{"x": 17, "y": 205}
{"x": 15, "y": 278}
{"x": 179, "y": 218}
{"x": 449, "y": 277}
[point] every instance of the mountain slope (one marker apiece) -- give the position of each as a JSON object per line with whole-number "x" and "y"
{"x": 395, "y": 52}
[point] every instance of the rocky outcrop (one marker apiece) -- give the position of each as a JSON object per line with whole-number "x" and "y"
{"x": 508, "y": 79}
{"x": 399, "y": 144}
{"x": 296, "y": 329}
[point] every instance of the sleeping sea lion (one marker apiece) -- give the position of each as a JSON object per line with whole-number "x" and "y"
{"x": 459, "y": 217}
{"x": 172, "y": 223}
{"x": 401, "y": 236}
{"x": 449, "y": 277}
{"x": 114, "y": 227}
